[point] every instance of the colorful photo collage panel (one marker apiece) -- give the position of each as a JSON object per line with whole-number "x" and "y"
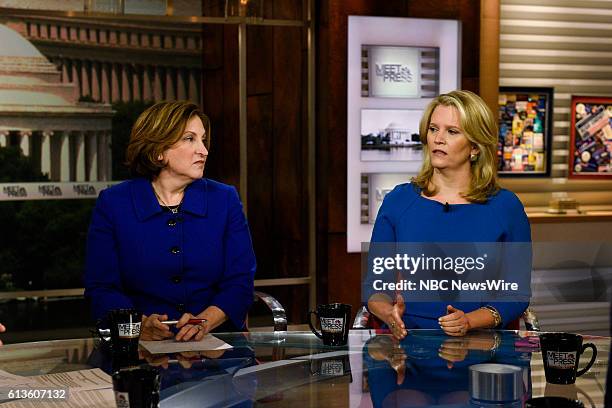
{"x": 524, "y": 131}
{"x": 591, "y": 137}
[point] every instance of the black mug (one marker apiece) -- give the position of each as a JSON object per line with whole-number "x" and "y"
{"x": 331, "y": 367}
{"x": 136, "y": 387}
{"x": 561, "y": 354}
{"x": 123, "y": 334}
{"x": 334, "y": 320}
{"x": 569, "y": 391}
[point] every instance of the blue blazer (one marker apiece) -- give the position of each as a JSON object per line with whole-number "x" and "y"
{"x": 140, "y": 255}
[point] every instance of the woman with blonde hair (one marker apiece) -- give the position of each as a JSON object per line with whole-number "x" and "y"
{"x": 454, "y": 198}
{"x": 169, "y": 242}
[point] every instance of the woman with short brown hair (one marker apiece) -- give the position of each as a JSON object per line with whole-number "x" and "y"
{"x": 156, "y": 130}
{"x": 170, "y": 243}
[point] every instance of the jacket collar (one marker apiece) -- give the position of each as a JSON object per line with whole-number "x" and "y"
{"x": 146, "y": 204}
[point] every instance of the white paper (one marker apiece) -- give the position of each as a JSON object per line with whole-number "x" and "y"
{"x": 10, "y": 381}
{"x": 7, "y": 378}
{"x": 86, "y": 388}
{"x": 208, "y": 343}
{"x": 82, "y": 380}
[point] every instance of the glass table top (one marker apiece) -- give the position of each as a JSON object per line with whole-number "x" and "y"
{"x": 427, "y": 368}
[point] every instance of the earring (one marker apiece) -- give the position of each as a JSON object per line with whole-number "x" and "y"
{"x": 473, "y": 157}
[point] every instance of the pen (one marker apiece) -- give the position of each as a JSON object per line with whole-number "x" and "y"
{"x": 190, "y": 321}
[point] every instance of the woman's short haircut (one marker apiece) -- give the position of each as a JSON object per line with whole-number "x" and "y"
{"x": 157, "y": 129}
{"x": 480, "y": 127}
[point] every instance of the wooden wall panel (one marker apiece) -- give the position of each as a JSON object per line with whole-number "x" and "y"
{"x": 212, "y": 53}
{"x": 344, "y": 273}
{"x": 290, "y": 204}
{"x": 231, "y": 137}
{"x": 276, "y": 136}
{"x": 290, "y": 10}
{"x": 220, "y": 100}
{"x": 260, "y": 188}
{"x": 260, "y": 60}
{"x": 214, "y": 109}
{"x": 260, "y": 147}
{"x": 322, "y": 153}
{"x": 289, "y": 169}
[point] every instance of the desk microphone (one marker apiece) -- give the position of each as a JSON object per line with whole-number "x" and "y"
{"x": 446, "y": 207}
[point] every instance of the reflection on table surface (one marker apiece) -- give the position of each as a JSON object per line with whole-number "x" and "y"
{"x": 427, "y": 368}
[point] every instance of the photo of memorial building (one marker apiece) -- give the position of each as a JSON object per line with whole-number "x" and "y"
{"x": 66, "y": 139}
{"x": 111, "y": 59}
{"x": 59, "y": 77}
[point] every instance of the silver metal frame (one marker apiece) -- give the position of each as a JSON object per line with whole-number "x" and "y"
{"x": 531, "y": 320}
{"x": 278, "y": 312}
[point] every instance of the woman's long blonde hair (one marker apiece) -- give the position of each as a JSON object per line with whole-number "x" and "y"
{"x": 480, "y": 128}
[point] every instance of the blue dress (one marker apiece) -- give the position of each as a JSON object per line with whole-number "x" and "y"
{"x": 406, "y": 216}
{"x": 142, "y": 256}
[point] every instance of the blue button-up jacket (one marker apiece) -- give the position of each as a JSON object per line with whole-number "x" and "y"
{"x": 140, "y": 256}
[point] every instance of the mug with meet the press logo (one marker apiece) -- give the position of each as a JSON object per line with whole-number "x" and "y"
{"x": 334, "y": 367}
{"x": 122, "y": 335}
{"x": 334, "y": 321}
{"x": 561, "y": 354}
{"x": 137, "y": 387}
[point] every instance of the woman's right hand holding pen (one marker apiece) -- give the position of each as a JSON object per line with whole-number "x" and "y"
{"x": 191, "y": 328}
{"x": 152, "y": 328}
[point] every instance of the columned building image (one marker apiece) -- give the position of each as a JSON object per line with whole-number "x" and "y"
{"x": 111, "y": 59}
{"x": 66, "y": 139}
{"x": 59, "y": 75}
{"x": 397, "y": 134}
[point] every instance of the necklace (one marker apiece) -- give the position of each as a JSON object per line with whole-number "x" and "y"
{"x": 174, "y": 209}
